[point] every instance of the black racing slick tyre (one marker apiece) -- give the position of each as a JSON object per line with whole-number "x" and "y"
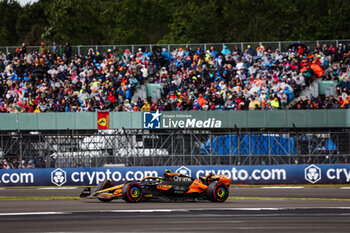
{"x": 132, "y": 192}
{"x": 217, "y": 192}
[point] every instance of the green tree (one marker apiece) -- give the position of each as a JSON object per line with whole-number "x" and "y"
{"x": 181, "y": 21}
{"x": 76, "y": 21}
{"x": 137, "y": 21}
{"x": 9, "y": 10}
{"x": 193, "y": 22}
{"x": 31, "y": 22}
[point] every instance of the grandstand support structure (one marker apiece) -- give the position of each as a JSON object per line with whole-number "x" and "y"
{"x": 142, "y": 147}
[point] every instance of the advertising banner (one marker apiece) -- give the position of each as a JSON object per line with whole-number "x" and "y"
{"x": 176, "y": 120}
{"x": 103, "y": 120}
{"x": 274, "y": 174}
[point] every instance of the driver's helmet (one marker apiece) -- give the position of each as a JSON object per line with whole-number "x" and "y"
{"x": 167, "y": 171}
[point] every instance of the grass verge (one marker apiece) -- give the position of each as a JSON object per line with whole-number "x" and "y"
{"x": 49, "y": 198}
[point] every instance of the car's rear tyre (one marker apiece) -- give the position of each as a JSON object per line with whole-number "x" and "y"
{"x": 217, "y": 192}
{"x": 132, "y": 192}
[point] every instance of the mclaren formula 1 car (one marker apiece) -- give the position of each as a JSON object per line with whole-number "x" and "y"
{"x": 173, "y": 187}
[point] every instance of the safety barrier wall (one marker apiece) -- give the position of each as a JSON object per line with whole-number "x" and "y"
{"x": 263, "y": 174}
{"x": 176, "y": 120}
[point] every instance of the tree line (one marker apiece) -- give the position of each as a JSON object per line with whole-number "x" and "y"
{"x": 180, "y": 21}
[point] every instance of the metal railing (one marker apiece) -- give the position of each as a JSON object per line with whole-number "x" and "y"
{"x": 281, "y": 45}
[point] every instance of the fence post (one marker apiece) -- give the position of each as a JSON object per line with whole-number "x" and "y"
{"x": 168, "y": 47}
{"x": 337, "y": 43}
{"x": 205, "y": 47}
{"x": 242, "y": 49}
{"x": 79, "y": 50}
{"x": 279, "y": 45}
{"x": 132, "y": 48}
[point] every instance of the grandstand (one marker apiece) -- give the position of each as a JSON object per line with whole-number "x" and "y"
{"x": 204, "y": 81}
{"x": 44, "y": 80}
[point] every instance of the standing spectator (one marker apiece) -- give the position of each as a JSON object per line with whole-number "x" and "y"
{"x": 23, "y": 49}
{"x": 251, "y": 51}
{"x": 225, "y": 50}
{"x": 6, "y": 165}
{"x": 22, "y": 164}
{"x": 213, "y": 52}
{"x": 68, "y": 50}
{"x": 275, "y": 103}
{"x": 55, "y": 49}
{"x": 30, "y": 164}
{"x": 146, "y": 107}
{"x": 42, "y": 49}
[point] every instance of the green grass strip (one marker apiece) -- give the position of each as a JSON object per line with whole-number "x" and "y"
{"x": 49, "y": 198}
{"x": 38, "y": 187}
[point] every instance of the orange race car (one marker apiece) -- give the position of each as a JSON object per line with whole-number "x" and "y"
{"x": 173, "y": 187}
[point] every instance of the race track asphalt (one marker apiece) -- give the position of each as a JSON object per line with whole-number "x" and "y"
{"x": 231, "y": 216}
{"x": 273, "y": 191}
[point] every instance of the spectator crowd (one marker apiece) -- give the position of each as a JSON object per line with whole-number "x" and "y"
{"x": 19, "y": 163}
{"x": 54, "y": 79}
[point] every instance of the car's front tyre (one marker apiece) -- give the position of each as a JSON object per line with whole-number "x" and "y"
{"x": 217, "y": 192}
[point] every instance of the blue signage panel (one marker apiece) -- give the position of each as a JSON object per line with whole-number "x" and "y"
{"x": 274, "y": 174}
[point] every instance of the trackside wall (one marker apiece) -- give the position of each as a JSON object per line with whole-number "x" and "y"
{"x": 272, "y": 174}
{"x": 178, "y": 120}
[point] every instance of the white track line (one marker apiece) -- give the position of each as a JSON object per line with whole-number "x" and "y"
{"x": 34, "y": 213}
{"x": 145, "y": 211}
{"x": 48, "y": 188}
{"x": 55, "y": 188}
{"x": 283, "y": 187}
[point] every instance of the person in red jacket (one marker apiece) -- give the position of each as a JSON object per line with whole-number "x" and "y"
{"x": 201, "y": 100}
{"x": 111, "y": 98}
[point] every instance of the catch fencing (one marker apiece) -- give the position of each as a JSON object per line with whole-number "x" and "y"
{"x": 127, "y": 147}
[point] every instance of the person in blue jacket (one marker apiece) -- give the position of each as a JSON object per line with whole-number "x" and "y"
{"x": 225, "y": 50}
